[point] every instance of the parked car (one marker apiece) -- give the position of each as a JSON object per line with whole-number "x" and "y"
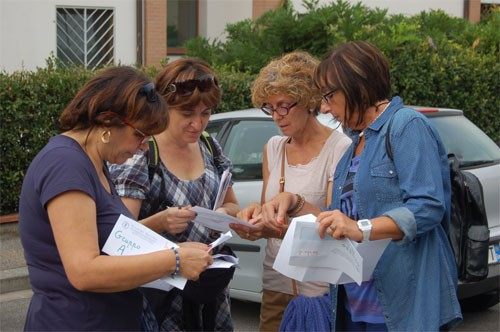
{"x": 243, "y": 134}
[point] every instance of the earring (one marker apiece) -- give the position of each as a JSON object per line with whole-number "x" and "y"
{"x": 311, "y": 110}
{"x": 105, "y": 136}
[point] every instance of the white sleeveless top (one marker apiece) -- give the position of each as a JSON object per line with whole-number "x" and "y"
{"x": 311, "y": 181}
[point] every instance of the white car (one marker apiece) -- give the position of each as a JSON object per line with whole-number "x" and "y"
{"x": 243, "y": 134}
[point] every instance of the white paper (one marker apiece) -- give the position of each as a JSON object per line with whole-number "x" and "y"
{"x": 222, "y": 238}
{"x": 225, "y": 180}
{"x": 129, "y": 237}
{"x": 305, "y": 257}
{"x": 216, "y": 220}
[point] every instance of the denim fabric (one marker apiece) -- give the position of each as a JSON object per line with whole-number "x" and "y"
{"x": 416, "y": 277}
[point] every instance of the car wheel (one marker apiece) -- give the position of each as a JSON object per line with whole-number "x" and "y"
{"x": 481, "y": 301}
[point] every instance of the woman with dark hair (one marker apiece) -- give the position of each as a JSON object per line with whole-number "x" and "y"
{"x": 68, "y": 207}
{"x": 186, "y": 175}
{"x": 405, "y": 197}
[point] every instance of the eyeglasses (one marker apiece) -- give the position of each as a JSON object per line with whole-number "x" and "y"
{"x": 139, "y": 132}
{"x": 281, "y": 110}
{"x": 186, "y": 88}
{"x": 326, "y": 96}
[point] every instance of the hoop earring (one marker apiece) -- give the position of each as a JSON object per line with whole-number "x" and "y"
{"x": 105, "y": 136}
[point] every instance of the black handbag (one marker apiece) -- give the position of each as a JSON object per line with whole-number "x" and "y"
{"x": 211, "y": 282}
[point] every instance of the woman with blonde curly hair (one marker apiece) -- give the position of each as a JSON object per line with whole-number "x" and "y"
{"x": 306, "y": 154}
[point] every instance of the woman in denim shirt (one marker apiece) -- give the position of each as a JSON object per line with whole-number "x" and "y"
{"x": 413, "y": 287}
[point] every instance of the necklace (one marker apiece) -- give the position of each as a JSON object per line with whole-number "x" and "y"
{"x": 387, "y": 103}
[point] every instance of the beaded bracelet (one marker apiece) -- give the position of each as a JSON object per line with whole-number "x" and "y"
{"x": 177, "y": 262}
{"x": 298, "y": 206}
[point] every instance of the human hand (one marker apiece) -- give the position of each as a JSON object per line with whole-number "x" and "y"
{"x": 193, "y": 261}
{"x": 175, "y": 220}
{"x": 274, "y": 212}
{"x": 338, "y": 225}
{"x": 252, "y": 211}
{"x": 195, "y": 245}
{"x": 247, "y": 233}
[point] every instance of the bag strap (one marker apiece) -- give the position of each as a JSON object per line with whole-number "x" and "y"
{"x": 282, "y": 188}
{"x": 208, "y": 140}
{"x": 283, "y": 152}
{"x": 153, "y": 160}
{"x": 388, "y": 148}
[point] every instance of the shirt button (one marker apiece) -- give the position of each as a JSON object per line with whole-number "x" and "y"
{"x": 391, "y": 171}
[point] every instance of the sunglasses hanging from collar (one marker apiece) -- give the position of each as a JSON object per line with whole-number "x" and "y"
{"x": 186, "y": 88}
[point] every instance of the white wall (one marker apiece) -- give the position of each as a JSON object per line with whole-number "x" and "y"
{"x": 407, "y": 7}
{"x": 28, "y": 30}
{"x": 215, "y": 14}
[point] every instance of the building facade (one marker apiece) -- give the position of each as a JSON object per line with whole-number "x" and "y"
{"x": 99, "y": 32}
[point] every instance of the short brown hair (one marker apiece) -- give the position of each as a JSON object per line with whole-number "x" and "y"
{"x": 293, "y": 75}
{"x": 182, "y": 70}
{"x": 360, "y": 71}
{"x": 122, "y": 90}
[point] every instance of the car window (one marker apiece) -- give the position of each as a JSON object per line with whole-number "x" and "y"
{"x": 214, "y": 127}
{"x": 469, "y": 143}
{"x": 244, "y": 147}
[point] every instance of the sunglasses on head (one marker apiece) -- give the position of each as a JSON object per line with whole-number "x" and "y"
{"x": 186, "y": 88}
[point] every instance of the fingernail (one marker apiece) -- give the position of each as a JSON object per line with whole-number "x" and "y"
{"x": 280, "y": 221}
{"x": 209, "y": 245}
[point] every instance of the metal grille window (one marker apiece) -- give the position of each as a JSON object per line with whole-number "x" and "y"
{"x": 85, "y": 36}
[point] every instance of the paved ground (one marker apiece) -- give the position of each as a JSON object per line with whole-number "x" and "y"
{"x": 15, "y": 294}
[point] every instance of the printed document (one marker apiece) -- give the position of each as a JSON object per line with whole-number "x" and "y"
{"x": 225, "y": 180}
{"x": 304, "y": 256}
{"x": 129, "y": 237}
{"x": 216, "y": 220}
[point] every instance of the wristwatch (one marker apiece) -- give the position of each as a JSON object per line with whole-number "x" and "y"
{"x": 365, "y": 225}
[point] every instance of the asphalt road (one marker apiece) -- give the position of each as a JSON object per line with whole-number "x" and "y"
{"x": 13, "y": 308}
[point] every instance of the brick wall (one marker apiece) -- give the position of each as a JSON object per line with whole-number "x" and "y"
{"x": 155, "y": 32}
{"x": 259, "y": 7}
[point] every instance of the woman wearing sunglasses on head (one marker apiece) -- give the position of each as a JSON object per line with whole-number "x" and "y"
{"x": 186, "y": 175}
{"x": 305, "y": 158}
{"x": 68, "y": 207}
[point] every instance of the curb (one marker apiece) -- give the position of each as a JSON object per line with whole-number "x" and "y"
{"x": 14, "y": 280}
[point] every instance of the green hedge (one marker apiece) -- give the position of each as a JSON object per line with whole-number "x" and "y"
{"x": 30, "y": 104}
{"x": 436, "y": 60}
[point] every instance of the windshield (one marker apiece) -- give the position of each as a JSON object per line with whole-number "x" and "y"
{"x": 244, "y": 147}
{"x": 462, "y": 138}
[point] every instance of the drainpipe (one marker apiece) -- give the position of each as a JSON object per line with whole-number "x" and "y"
{"x": 140, "y": 32}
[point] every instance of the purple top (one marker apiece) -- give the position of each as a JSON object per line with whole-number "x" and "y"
{"x": 61, "y": 166}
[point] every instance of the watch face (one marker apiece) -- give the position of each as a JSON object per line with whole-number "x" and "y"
{"x": 364, "y": 223}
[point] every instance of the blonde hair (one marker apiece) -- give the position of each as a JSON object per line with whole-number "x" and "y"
{"x": 293, "y": 75}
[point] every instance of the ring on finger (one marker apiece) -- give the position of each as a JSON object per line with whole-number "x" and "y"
{"x": 332, "y": 228}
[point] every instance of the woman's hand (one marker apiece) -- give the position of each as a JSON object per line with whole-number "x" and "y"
{"x": 194, "y": 245}
{"x": 250, "y": 212}
{"x": 193, "y": 262}
{"x": 338, "y": 225}
{"x": 175, "y": 220}
{"x": 274, "y": 212}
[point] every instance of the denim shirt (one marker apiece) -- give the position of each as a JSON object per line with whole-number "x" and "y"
{"x": 416, "y": 277}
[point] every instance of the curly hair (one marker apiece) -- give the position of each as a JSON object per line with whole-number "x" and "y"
{"x": 293, "y": 75}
